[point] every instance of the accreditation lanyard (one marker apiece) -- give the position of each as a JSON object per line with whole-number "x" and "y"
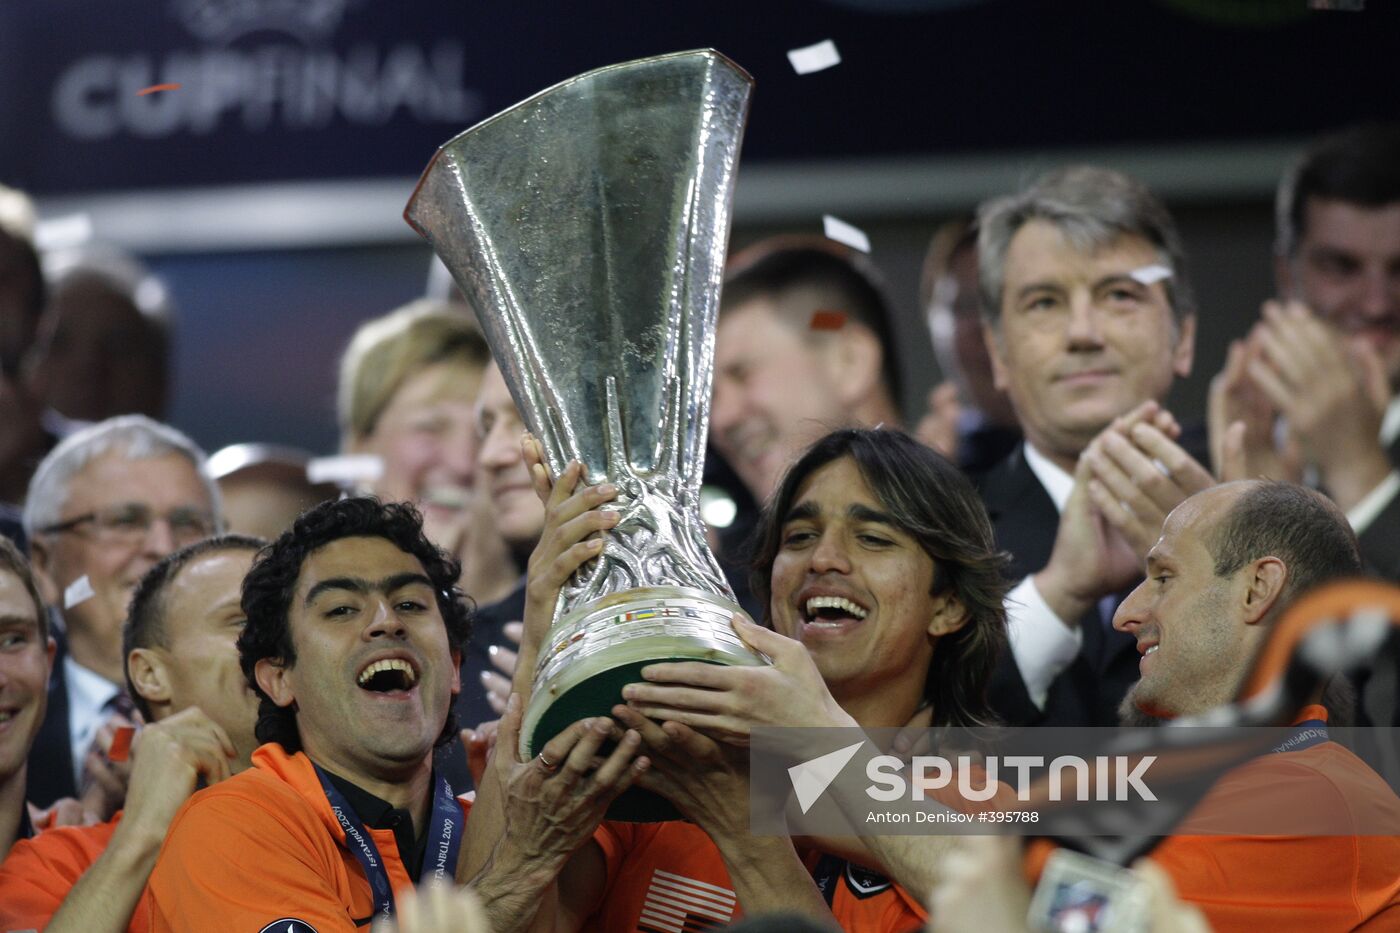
{"x": 1306, "y": 734}
{"x": 444, "y": 841}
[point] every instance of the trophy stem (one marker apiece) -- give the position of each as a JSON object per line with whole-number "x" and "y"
{"x": 587, "y": 226}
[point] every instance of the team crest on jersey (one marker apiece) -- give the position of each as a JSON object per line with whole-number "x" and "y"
{"x": 677, "y": 904}
{"x": 865, "y": 883}
{"x": 288, "y": 925}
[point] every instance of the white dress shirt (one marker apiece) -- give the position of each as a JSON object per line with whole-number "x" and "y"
{"x": 88, "y": 693}
{"x": 1042, "y": 644}
{"x": 1364, "y": 512}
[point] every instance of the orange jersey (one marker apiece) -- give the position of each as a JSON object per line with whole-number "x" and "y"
{"x": 265, "y": 847}
{"x": 669, "y": 877}
{"x": 1288, "y": 883}
{"x": 1297, "y": 882}
{"x": 39, "y": 873}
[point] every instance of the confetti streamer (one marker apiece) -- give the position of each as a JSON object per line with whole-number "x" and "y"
{"x": 812, "y": 58}
{"x": 121, "y": 743}
{"x": 79, "y": 591}
{"x": 842, "y": 232}
{"x": 1151, "y": 275}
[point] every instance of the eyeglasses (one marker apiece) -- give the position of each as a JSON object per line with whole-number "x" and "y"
{"x": 131, "y": 522}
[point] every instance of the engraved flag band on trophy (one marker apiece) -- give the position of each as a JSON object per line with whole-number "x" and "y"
{"x": 587, "y": 226}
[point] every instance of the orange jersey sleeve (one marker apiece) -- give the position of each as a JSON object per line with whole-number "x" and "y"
{"x": 239, "y": 862}
{"x": 1286, "y": 883}
{"x": 39, "y": 873}
{"x": 1298, "y": 881}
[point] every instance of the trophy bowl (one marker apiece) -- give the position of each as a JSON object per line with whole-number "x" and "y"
{"x": 587, "y": 226}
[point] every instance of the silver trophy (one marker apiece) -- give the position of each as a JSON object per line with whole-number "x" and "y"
{"x": 587, "y": 225}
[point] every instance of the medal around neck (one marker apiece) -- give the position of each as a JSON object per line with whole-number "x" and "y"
{"x": 587, "y": 226}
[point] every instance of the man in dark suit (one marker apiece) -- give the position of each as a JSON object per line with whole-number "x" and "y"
{"x": 1088, "y": 319}
{"x": 105, "y": 505}
{"x": 1325, "y": 358}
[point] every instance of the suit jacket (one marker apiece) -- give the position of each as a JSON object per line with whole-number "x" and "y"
{"x": 1087, "y": 693}
{"x": 51, "y": 757}
{"x": 1380, "y": 542}
{"x": 488, "y": 624}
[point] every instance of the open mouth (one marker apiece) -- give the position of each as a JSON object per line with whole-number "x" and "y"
{"x": 831, "y": 612}
{"x": 390, "y": 675}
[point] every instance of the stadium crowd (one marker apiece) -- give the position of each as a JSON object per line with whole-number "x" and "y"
{"x": 232, "y": 698}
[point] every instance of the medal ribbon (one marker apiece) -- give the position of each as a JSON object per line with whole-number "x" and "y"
{"x": 1308, "y": 733}
{"x": 444, "y": 841}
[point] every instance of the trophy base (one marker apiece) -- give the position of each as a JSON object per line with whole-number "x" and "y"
{"x": 602, "y": 646}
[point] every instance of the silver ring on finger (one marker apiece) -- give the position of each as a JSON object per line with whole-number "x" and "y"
{"x": 549, "y": 766}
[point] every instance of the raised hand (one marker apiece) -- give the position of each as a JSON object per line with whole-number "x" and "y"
{"x": 1138, "y": 474}
{"x": 706, "y": 780}
{"x": 980, "y": 887}
{"x": 168, "y": 758}
{"x": 556, "y": 800}
{"x": 104, "y": 783}
{"x": 726, "y": 702}
{"x": 1332, "y": 393}
{"x": 504, "y": 659}
{"x": 1236, "y": 404}
{"x": 569, "y": 540}
{"x": 1091, "y": 558}
{"x": 435, "y": 907}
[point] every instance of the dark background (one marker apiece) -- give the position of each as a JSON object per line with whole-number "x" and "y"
{"x": 936, "y": 104}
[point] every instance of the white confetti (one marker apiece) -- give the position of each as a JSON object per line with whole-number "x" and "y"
{"x": 1151, "y": 275}
{"x": 345, "y": 470}
{"x": 79, "y": 591}
{"x": 842, "y": 232}
{"x": 812, "y": 58}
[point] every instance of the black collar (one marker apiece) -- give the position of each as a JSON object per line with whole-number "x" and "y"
{"x": 376, "y": 813}
{"x": 26, "y": 826}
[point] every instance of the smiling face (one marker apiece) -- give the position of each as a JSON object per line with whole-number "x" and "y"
{"x": 1193, "y": 642}
{"x": 25, "y": 659}
{"x": 201, "y": 620}
{"x": 426, "y": 437}
{"x": 374, "y": 676}
{"x": 772, "y": 392}
{"x": 1080, "y": 341}
{"x": 519, "y": 514}
{"x": 114, "y": 560}
{"x": 1347, "y": 269}
{"x": 855, "y": 589}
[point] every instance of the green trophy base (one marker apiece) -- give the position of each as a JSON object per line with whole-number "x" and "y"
{"x": 601, "y": 647}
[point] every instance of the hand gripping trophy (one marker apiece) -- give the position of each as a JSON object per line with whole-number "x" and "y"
{"x": 587, "y": 225}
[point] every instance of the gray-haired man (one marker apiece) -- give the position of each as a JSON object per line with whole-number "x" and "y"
{"x": 103, "y": 508}
{"x": 1089, "y": 319}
